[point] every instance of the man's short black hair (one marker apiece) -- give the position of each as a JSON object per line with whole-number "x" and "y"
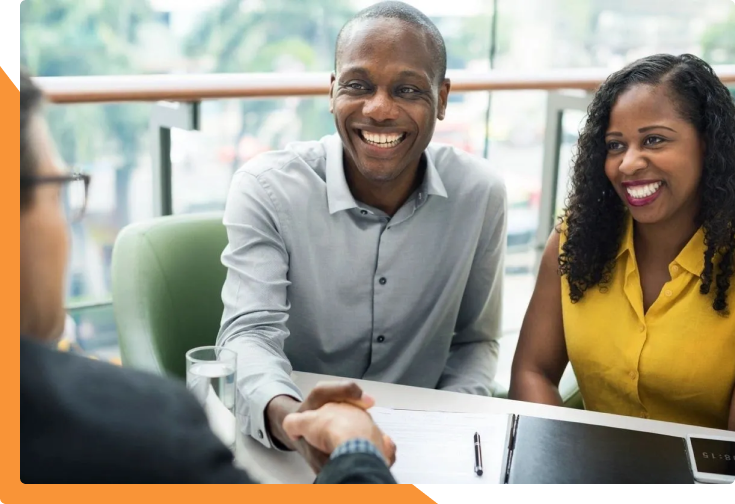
{"x": 31, "y": 98}
{"x": 407, "y": 14}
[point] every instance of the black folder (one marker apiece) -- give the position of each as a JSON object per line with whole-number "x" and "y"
{"x": 554, "y": 451}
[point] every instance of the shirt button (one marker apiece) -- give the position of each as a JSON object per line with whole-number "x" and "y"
{"x": 633, "y": 375}
{"x": 381, "y": 338}
{"x": 668, "y": 293}
{"x": 675, "y": 268}
{"x": 382, "y": 281}
{"x": 642, "y": 328}
{"x": 260, "y": 434}
{"x": 363, "y": 212}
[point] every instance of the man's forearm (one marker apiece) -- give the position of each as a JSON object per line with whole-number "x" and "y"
{"x": 275, "y": 412}
{"x": 471, "y": 368}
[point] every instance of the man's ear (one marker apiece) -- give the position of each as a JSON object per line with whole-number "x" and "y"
{"x": 443, "y": 96}
{"x": 332, "y": 80}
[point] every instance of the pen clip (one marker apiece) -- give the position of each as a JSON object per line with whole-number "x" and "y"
{"x": 478, "y": 454}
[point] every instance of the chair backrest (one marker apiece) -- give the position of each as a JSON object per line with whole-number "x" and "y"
{"x": 166, "y": 284}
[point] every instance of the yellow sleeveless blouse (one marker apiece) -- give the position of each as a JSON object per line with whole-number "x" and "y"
{"x": 674, "y": 363}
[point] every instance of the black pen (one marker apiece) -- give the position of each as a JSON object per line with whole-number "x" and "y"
{"x": 478, "y": 455}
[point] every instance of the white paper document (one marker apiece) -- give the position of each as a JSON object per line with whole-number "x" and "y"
{"x": 438, "y": 447}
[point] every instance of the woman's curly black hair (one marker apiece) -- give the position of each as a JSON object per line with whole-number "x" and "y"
{"x": 595, "y": 215}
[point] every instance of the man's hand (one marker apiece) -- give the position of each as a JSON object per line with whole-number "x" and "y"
{"x": 323, "y": 393}
{"x": 333, "y": 424}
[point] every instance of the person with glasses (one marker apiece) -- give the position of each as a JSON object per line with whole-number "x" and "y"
{"x": 86, "y": 421}
{"x": 75, "y": 187}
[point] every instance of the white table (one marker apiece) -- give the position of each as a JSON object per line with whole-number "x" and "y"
{"x": 277, "y": 467}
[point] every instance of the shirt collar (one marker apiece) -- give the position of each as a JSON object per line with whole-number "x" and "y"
{"x": 691, "y": 257}
{"x": 626, "y": 244}
{"x": 339, "y": 196}
{"x": 432, "y": 180}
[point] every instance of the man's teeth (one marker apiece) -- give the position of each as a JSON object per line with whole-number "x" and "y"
{"x": 643, "y": 191}
{"x": 386, "y": 140}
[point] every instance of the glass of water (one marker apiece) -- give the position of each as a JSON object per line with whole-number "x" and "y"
{"x": 211, "y": 377}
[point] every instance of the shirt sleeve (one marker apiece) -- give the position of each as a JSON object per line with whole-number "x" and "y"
{"x": 473, "y": 357}
{"x": 357, "y": 445}
{"x": 356, "y": 461}
{"x": 255, "y": 301}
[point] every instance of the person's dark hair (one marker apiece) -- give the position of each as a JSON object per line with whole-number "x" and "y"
{"x": 407, "y": 14}
{"x": 595, "y": 214}
{"x": 30, "y": 101}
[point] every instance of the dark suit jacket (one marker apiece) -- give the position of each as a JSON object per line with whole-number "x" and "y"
{"x": 85, "y": 421}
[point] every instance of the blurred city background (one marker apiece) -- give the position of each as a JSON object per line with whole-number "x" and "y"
{"x": 112, "y": 141}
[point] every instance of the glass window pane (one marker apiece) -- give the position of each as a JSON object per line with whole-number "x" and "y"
{"x": 571, "y": 123}
{"x": 233, "y": 132}
{"x": 109, "y": 142}
{"x": 516, "y": 150}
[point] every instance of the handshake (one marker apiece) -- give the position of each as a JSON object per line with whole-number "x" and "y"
{"x": 332, "y": 414}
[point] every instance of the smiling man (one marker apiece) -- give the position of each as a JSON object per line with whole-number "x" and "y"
{"x": 368, "y": 254}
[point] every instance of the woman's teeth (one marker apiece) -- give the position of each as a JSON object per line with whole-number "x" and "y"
{"x": 643, "y": 191}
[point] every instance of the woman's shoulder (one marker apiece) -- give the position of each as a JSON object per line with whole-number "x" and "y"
{"x": 560, "y": 233}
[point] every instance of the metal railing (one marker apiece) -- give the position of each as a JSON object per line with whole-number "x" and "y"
{"x": 195, "y": 87}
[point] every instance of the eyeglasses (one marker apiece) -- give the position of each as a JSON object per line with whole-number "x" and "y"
{"x": 76, "y": 188}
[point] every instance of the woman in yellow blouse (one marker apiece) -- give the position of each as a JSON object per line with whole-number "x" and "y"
{"x": 634, "y": 287}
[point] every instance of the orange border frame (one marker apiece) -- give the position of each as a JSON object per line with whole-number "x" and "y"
{"x": 13, "y": 491}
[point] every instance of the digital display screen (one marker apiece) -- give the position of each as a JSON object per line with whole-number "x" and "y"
{"x": 714, "y": 456}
